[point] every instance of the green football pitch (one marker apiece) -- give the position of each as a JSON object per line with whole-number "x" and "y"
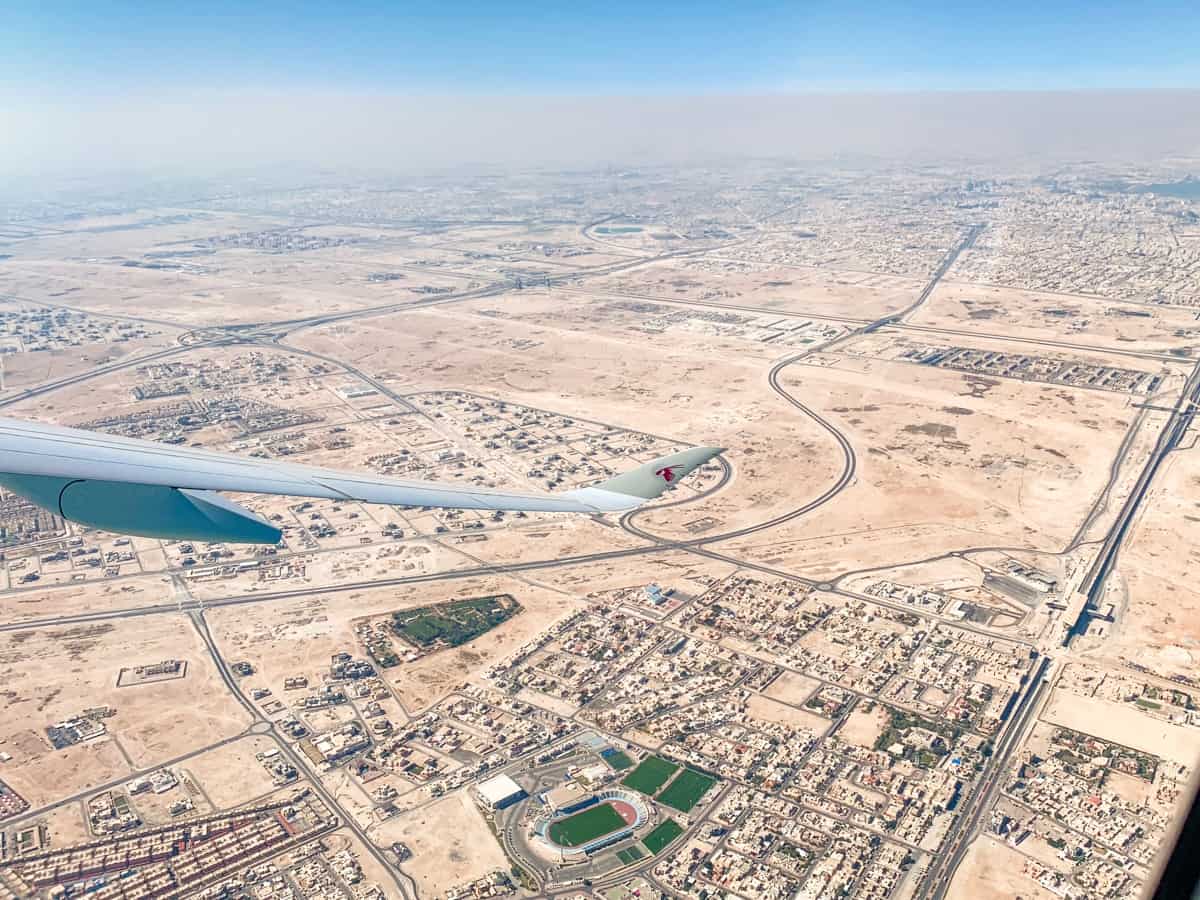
{"x": 651, "y": 774}
{"x": 686, "y": 790}
{"x": 630, "y": 855}
{"x": 584, "y": 827}
{"x": 662, "y": 835}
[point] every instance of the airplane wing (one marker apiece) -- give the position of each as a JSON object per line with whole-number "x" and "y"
{"x": 158, "y": 490}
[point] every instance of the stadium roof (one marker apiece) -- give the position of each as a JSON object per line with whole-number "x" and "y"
{"x": 565, "y": 795}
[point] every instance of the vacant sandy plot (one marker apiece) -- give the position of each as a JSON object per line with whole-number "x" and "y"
{"x": 765, "y": 709}
{"x": 450, "y": 843}
{"x": 251, "y": 285}
{"x": 286, "y": 638}
{"x": 55, "y": 673}
{"x": 66, "y": 825}
{"x": 55, "y": 774}
{"x": 863, "y": 727}
{"x": 993, "y": 871}
{"x": 792, "y": 687}
{"x": 942, "y": 575}
{"x": 864, "y": 296}
{"x": 580, "y": 314}
{"x": 1018, "y": 466}
{"x": 47, "y": 602}
{"x": 1128, "y": 787}
{"x": 424, "y": 682}
{"x": 230, "y": 775}
{"x": 1123, "y": 724}
{"x": 1083, "y": 320}
{"x": 1159, "y": 605}
{"x": 22, "y": 370}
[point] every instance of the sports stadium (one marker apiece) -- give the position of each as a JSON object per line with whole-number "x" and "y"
{"x": 573, "y": 834}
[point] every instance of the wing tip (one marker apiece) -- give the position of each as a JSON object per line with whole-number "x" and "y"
{"x": 649, "y": 480}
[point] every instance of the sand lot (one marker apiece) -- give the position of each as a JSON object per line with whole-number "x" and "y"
{"x": 230, "y": 775}
{"x": 801, "y": 289}
{"x": 450, "y": 842}
{"x": 22, "y": 370}
{"x": 54, "y": 673}
{"x": 764, "y": 709}
{"x": 994, "y": 871}
{"x": 792, "y": 687}
{"x": 1088, "y": 321}
{"x": 248, "y": 285}
{"x": 47, "y": 602}
{"x": 1160, "y": 606}
{"x": 864, "y": 727}
{"x": 297, "y": 637}
{"x": 1122, "y": 723}
{"x": 942, "y": 575}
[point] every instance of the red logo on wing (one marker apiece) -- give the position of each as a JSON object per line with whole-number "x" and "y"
{"x": 667, "y": 473}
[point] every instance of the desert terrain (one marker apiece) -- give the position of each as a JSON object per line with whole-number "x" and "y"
{"x": 927, "y": 628}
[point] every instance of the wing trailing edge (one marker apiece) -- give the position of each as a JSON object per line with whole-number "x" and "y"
{"x": 157, "y": 490}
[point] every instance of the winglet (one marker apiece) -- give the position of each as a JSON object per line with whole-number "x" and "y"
{"x": 633, "y": 488}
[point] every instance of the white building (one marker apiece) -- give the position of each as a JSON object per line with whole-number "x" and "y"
{"x": 500, "y": 791}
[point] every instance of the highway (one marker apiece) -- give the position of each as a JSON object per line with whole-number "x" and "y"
{"x": 965, "y": 243}
{"x": 849, "y": 459}
{"x": 1114, "y": 472}
{"x": 958, "y": 839}
{"x": 1177, "y": 426}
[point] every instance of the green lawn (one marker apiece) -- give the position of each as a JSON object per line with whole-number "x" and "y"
{"x": 455, "y": 622}
{"x": 661, "y": 836}
{"x": 618, "y": 761}
{"x": 651, "y": 774}
{"x": 629, "y": 855}
{"x": 686, "y": 790}
{"x": 586, "y": 826}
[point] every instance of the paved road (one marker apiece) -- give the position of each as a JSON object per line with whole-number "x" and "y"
{"x": 259, "y": 721}
{"x": 965, "y": 243}
{"x": 1114, "y": 473}
{"x": 849, "y": 460}
{"x": 1177, "y": 426}
{"x": 966, "y": 826}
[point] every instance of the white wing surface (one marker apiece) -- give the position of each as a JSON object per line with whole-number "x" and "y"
{"x": 140, "y": 487}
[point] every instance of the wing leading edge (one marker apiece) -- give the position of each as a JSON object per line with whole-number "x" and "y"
{"x": 139, "y": 487}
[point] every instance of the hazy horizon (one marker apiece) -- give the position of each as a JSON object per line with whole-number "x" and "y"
{"x": 415, "y": 89}
{"x": 205, "y": 132}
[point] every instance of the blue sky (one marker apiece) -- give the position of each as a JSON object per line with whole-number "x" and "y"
{"x": 618, "y": 47}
